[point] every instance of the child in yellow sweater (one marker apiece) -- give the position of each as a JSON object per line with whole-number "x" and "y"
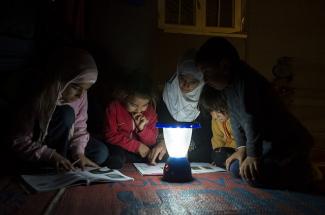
{"x": 221, "y": 130}
{"x": 223, "y": 142}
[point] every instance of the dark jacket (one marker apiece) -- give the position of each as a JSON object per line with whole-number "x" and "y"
{"x": 259, "y": 117}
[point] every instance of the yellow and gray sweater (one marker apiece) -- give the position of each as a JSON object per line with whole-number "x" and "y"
{"x": 222, "y": 134}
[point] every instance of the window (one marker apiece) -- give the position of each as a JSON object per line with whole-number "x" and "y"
{"x": 205, "y": 17}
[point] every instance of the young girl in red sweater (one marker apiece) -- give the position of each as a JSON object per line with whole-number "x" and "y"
{"x": 130, "y": 122}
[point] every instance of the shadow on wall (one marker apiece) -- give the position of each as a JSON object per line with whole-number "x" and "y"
{"x": 309, "y": 99}
{"x": 99, "y": 95}
{"x": 283, "y": 76}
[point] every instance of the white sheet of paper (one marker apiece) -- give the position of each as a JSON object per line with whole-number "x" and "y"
{"x": 197, "y": 168}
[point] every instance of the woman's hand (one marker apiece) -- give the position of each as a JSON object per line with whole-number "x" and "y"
{"x": 61, "y": 163}
{"x": 249, "y": 169}
{"x": 140, "y": 121}
{"x": 82, "y": 161}
{"x": 143, "y": 150}
{"x": 239, "y": 155}
{"x": 158, "y": 151}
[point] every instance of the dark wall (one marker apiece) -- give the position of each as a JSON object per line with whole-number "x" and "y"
{"x": 126, "y": 36}
{"x": 130, "y": 38}
{"x": 295, "y": 29}
{"x": 123, "y": 35}
{"x": 287, "y": 28}
{"x": 122, "y": 32}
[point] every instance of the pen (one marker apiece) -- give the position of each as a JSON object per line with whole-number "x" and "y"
{"x": 75, "y": 162}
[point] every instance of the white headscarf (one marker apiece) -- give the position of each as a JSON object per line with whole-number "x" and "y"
{"x": 184, "y": 106}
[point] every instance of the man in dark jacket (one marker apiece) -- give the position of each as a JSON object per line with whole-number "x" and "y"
{"x": 275, "y": 146}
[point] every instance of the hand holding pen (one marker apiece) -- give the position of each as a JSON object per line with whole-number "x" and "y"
{"x": 82, "y": 161}
{"x": 61, "y": 163}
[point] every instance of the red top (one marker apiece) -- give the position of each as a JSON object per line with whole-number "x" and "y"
{"x": 120, "y": 128}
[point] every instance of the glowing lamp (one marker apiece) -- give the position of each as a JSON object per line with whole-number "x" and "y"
{"x": 177, "y": 140}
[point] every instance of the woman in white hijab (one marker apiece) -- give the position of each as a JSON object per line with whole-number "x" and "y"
{"x": 180, "y": 104}
{"x": 52, "y": 127}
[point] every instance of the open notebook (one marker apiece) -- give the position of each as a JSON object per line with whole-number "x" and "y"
{"x": 197, "y": 168}
{"x": 48, "y": 182}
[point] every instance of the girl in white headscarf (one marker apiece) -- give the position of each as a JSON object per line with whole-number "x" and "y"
{"x": 182, "y": 92}
{"x": 180, "y": 104}
{"x": 53, "y": 126}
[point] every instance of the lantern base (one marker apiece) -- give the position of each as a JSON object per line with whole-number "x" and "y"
{"x": 177, "y": 170}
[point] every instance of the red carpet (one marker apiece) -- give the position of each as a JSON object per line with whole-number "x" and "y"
{"x": 213, "y": 193}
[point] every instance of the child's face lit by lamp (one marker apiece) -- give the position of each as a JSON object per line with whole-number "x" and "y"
{"x": 177, "y": 140}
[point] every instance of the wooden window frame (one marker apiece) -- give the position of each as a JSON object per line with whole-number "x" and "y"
{"x": 200, "y": 27}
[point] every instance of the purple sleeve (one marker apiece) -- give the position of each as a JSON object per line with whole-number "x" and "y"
{"x": 80, "y": 136}
{"x": 31, "y": 150}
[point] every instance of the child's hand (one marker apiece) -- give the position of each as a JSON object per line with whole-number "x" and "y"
{"x": 143, "y": 150}
{"x": 143, "y": 122}
{"x": 61, "y": 163}
{"x": 239, "y": 155}
{"x": 157, "y": 152}
{"x": 140, "y": 121}
{"x": 249, "y": 169}
{"x": 82, "y": 161}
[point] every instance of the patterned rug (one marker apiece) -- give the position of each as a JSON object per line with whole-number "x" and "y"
{"x": 211, "y": 193}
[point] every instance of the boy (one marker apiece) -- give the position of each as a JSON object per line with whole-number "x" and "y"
{"x": 223, "y": 142}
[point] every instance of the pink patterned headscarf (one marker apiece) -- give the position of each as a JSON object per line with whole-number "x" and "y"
{"x": 78, "y": 67}
{"x": 69, "y": 65}
{"x": 65, "y": 66}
